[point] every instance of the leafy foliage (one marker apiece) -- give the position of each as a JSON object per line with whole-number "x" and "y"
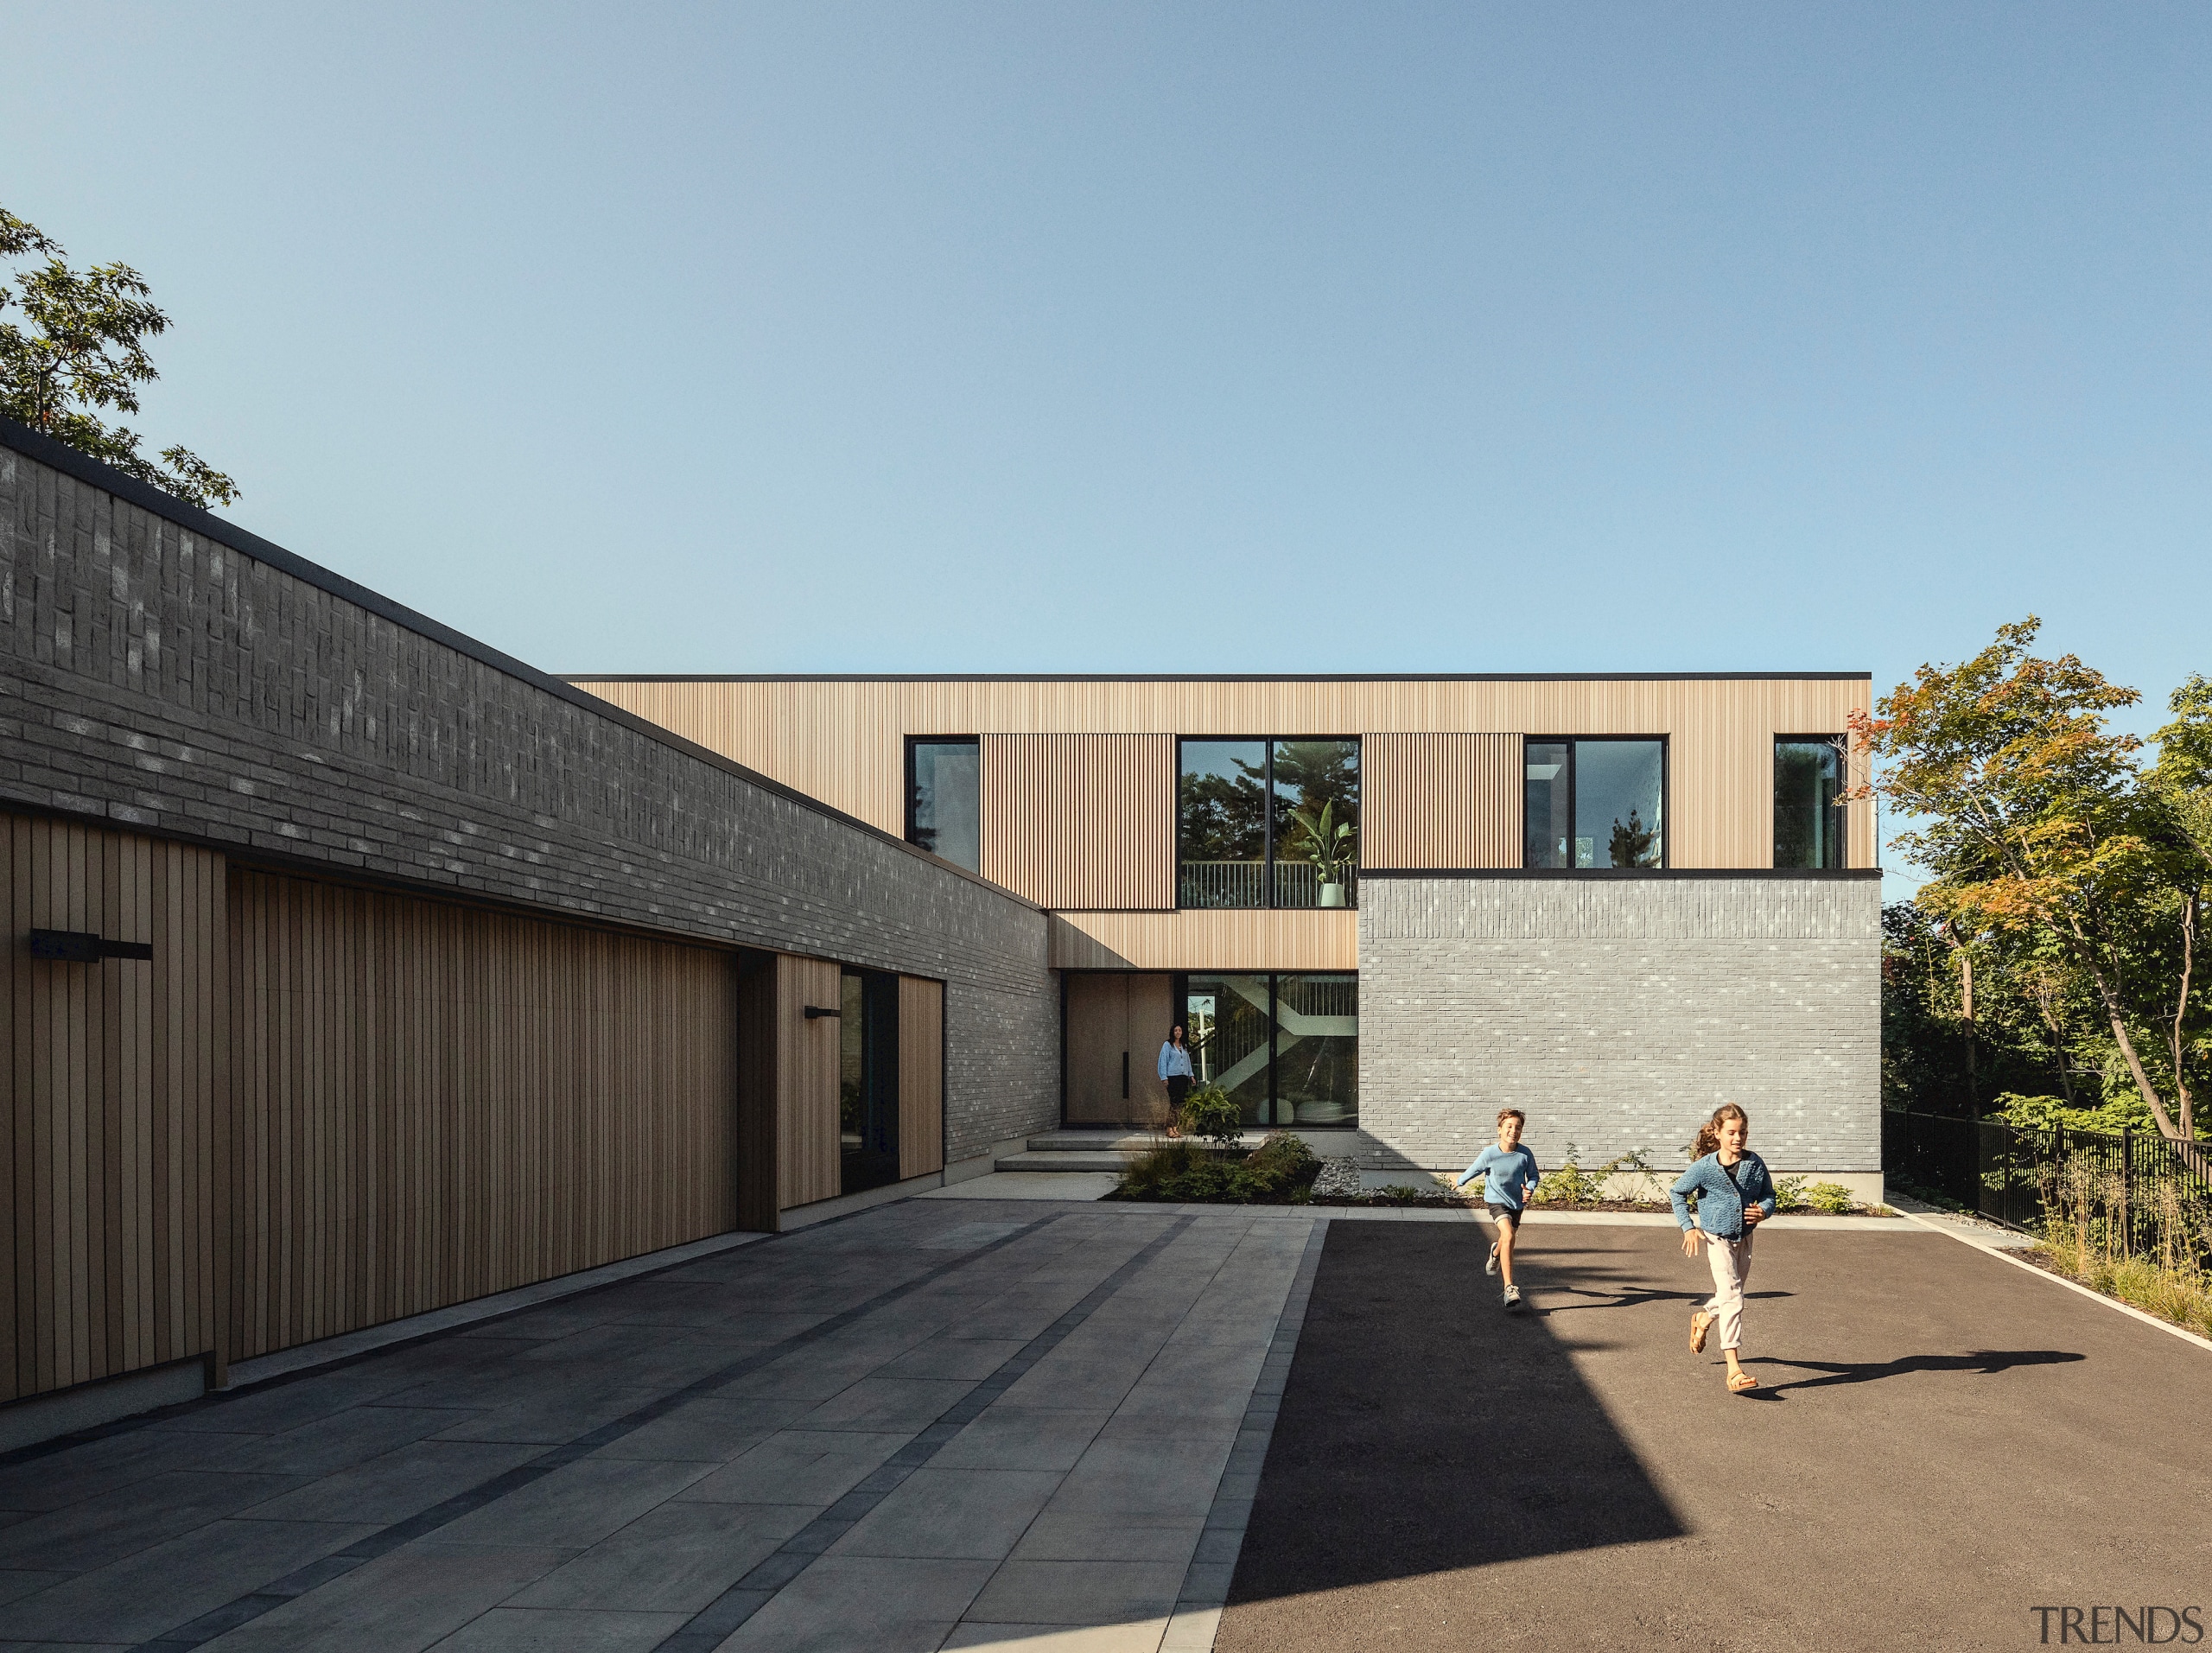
{"x": 1572, "y": 1185}
{"x": 1281, "y": 1168}
{"x": 1803, "y": 1194}
{"x": 1211, "y": 1112}
{"x": 2068, "y": 879}
{"x": 80, "y": 351}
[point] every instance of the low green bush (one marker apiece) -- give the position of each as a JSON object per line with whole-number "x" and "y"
{"x": 1280, "y": 1168}
{"x": 1803, "y": 1194}
{"x": 1211, "y": 1113}
{"x": 1570, "y": 1184}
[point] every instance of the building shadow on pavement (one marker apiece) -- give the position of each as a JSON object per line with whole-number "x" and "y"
{"x": 1423, "y": 1430}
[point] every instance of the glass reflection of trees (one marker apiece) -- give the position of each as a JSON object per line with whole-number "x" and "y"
{"x": 1237, "y": 804}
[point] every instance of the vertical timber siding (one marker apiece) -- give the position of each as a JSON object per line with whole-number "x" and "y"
{"x": 1441, "y": 800}
{"x": 921, "y": 1076}
{"x": 435, "y": 1103}
{"x": 841, "y": 740}
{"x": 807, "y": 1067}
{"x": 113, "y": 1131}
{"x": 1081, "y": 821}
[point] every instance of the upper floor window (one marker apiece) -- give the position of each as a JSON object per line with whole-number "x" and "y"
{"x": 1268, "y": 822}
{"x": 1595, "y": 801}
{"x": 1808, "y": 818}
{"x": 945, "y": 797}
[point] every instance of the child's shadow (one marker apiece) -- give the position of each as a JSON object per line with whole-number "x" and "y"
{"x": 1637, "y": 1297}
{"x": 1983, "y": 1363}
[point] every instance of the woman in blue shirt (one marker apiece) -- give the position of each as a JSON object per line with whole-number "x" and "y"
{"x": 1175, "y": 1069}
{"x": 1734, "y": 1196}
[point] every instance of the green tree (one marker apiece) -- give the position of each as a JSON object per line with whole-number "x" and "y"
{"x": 82, "y": 351}
{"x": 2041, "y": 827}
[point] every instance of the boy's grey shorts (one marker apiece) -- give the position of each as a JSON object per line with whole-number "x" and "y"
{"x": 1503, "y": 1213}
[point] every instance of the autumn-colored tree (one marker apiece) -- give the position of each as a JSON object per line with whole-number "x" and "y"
{"x": 82, "y": 352}
{"x": 2038, "y": 821}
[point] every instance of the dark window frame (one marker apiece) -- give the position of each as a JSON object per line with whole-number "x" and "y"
{"x": 1180, "y": 990}
{"x": 1842, "y": 781}
{"x": 914, "y": 741}
{"x": 1267, "y": 744}
{"x": 1571, "y": 742}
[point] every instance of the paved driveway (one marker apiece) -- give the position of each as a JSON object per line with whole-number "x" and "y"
{"x": 938, "y": 1423}
{"x": 1031, "y": 1424}
{"x": 1944, "y": 1442}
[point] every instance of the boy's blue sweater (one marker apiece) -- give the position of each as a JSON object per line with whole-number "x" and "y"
{"x": 1719, "y": 1208}
{"x": 1509, "y": 1174}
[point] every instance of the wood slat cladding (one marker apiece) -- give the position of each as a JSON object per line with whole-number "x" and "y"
{"x": 843, "y": 741}
{"x": 1256, "y": 939}
{"x": 114, "y": 1130}
{"x": 1441, "y": 800}
{"x": 436, "y": 1102}
{"x": 807, "y": 1064}
{"x": 1081, "y": 820}
{"x": 921, "y": 1076}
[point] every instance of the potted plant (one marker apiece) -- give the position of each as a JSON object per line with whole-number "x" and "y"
{"x": 1329, "y": 843}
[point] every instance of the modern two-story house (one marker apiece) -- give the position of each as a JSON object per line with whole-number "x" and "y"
{"x": 1385, "y": 907}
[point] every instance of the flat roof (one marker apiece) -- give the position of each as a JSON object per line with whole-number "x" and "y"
{"x": 1211, "y": 676}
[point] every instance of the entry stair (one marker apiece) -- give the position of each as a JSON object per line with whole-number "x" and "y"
{"x": 1109, "y": 1150}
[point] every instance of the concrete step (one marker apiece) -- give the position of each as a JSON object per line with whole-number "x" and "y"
{"x": 1112, "y": 1142}
{"x": 1063, "y": 1160}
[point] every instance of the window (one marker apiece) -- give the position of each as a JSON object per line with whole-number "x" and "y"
{"x": 1597, "y": 801}
{"x": 1286, "y": 1046}
{"x": 1808, "y": 820}
{"x": 945, "y": 798}
{"x": 868, "y": 1080}
{"x": 1268, "y": 822}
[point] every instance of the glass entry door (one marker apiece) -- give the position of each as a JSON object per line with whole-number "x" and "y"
{"x": 868, "y": 1081}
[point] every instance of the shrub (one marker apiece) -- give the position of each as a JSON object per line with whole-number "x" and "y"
{"x": 1212, "y": 1112}
{"x": 1830, "y": 1197}
{"x": 1572, "y": 1185}
{"x": 1281, "y": 1167}
{"x": 1281, "y": 1162}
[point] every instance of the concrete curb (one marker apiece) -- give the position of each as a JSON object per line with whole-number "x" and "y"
{"x": 2095, "y": 1296}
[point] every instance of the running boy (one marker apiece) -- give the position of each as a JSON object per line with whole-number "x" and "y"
{"x": 1512, "y": 1177}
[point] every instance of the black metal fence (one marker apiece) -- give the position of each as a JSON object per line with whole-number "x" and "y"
{"x": 2146, "y": 1195}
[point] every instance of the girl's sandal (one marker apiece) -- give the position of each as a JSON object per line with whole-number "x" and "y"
{"x": 1739, "y": 1382}
{"x": 1700, "y": 1323}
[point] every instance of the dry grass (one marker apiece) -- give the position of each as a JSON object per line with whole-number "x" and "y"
{"x": 2145, "y": 1249}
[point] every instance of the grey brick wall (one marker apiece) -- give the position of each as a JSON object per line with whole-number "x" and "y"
{"x": 162, "y": 671}
{"x": 1618, "y": 1012}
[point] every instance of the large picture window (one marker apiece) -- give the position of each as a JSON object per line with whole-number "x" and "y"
{"x": 1286, "y": 1046}
{"x": 1593, "y": 802}
{"x": 1268, "y": 822}
{"x": 1808, "y": 821}
{"x": 945, "y": 797}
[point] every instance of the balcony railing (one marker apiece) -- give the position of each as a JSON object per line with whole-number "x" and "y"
{"x": 1245, "y": 883}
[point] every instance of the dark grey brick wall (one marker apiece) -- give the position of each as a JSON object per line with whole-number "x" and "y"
{"x": 1619, "y": 1013}
{"x": 153, "y": 675}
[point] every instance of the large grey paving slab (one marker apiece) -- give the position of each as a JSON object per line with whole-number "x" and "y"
{"x": 799, "y": 1467}
{"x": 399, "y": 1603}
{"x": 574, "y": 1507}
{"x": 880, "y": 1603}
{"x": 398, "y": 1484}
{"x": 563, "y": 1630}
{"x": 967, "y": 1514}
{"x": 675, "y": 1558}
{"x": 1009, "y": 1436}
{"x": 139, "y": 1597}
{"x": 83, "y": 1536}
{"x": 1078, "y": 1592}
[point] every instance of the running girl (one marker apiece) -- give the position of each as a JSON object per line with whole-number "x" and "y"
{"x": 1734, "y": 1196}
{"x": 1512, "y": 1174}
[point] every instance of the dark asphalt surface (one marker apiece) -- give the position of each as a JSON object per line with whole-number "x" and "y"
{"x": 1944, "y": 1443}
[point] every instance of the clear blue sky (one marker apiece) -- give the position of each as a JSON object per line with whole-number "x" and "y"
{"x": 1174, "y": 338}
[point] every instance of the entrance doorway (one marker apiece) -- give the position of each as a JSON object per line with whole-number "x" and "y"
{"x": 1113, "y": 1026}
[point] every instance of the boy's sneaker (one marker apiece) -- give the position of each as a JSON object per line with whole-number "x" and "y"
{"x": 1512, "y": 1299}
{"x": 1491, "y": 1268}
